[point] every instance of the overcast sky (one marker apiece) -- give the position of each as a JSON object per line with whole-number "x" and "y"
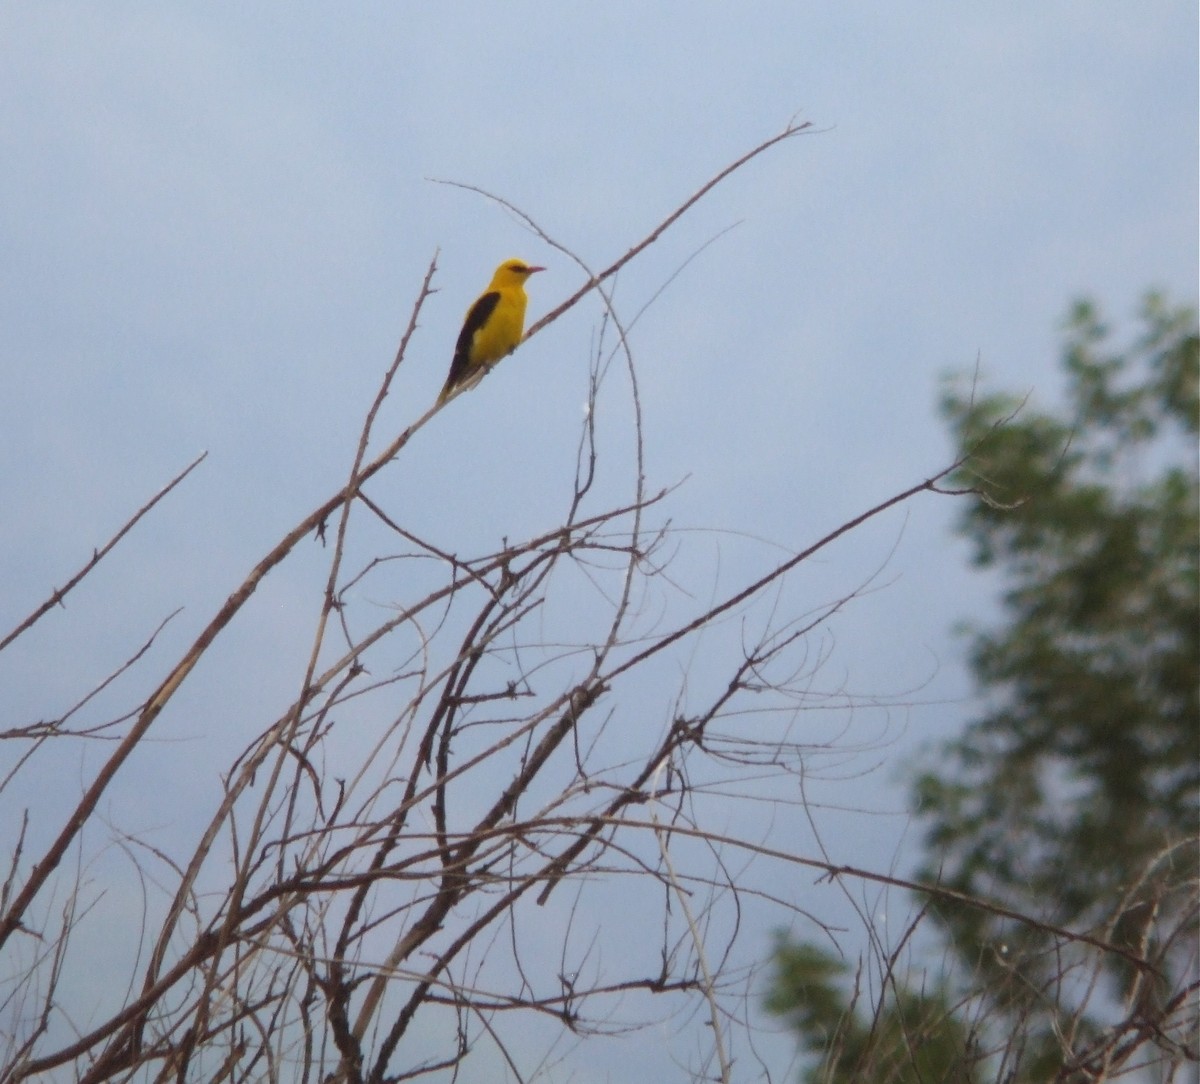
{"x": 214, "y": 219}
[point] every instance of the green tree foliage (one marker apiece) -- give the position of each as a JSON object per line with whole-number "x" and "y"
{"x": 1074, "y": 798}
{"x": 909, "y": 1037}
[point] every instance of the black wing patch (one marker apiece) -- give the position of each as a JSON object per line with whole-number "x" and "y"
{"x": 476, "y": 318}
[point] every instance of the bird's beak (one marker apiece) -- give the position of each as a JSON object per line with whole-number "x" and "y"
{"x": 534, "y": 270}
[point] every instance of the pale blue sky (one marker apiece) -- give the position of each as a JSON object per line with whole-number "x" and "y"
{"x": 214, "y": 218}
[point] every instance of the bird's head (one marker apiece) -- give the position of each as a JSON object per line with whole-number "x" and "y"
{"x": 513, "y": 273}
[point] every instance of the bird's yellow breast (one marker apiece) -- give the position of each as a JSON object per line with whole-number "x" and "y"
{"x": 501, "y": 332}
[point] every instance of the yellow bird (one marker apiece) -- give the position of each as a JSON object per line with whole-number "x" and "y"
{"x": 493, "y": 327}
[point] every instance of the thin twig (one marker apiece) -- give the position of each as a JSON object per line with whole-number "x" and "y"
{"x": 56, "y": 599}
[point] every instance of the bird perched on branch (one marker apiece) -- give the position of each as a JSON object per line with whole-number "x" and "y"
{"x": 493, "y": 326}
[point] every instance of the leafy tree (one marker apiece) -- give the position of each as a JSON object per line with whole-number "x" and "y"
{"x": 1073, "y": 799}
{"x": 910, "y": 1037}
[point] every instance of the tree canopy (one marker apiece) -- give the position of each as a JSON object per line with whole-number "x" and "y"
{"x": 1072, "y": 799}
